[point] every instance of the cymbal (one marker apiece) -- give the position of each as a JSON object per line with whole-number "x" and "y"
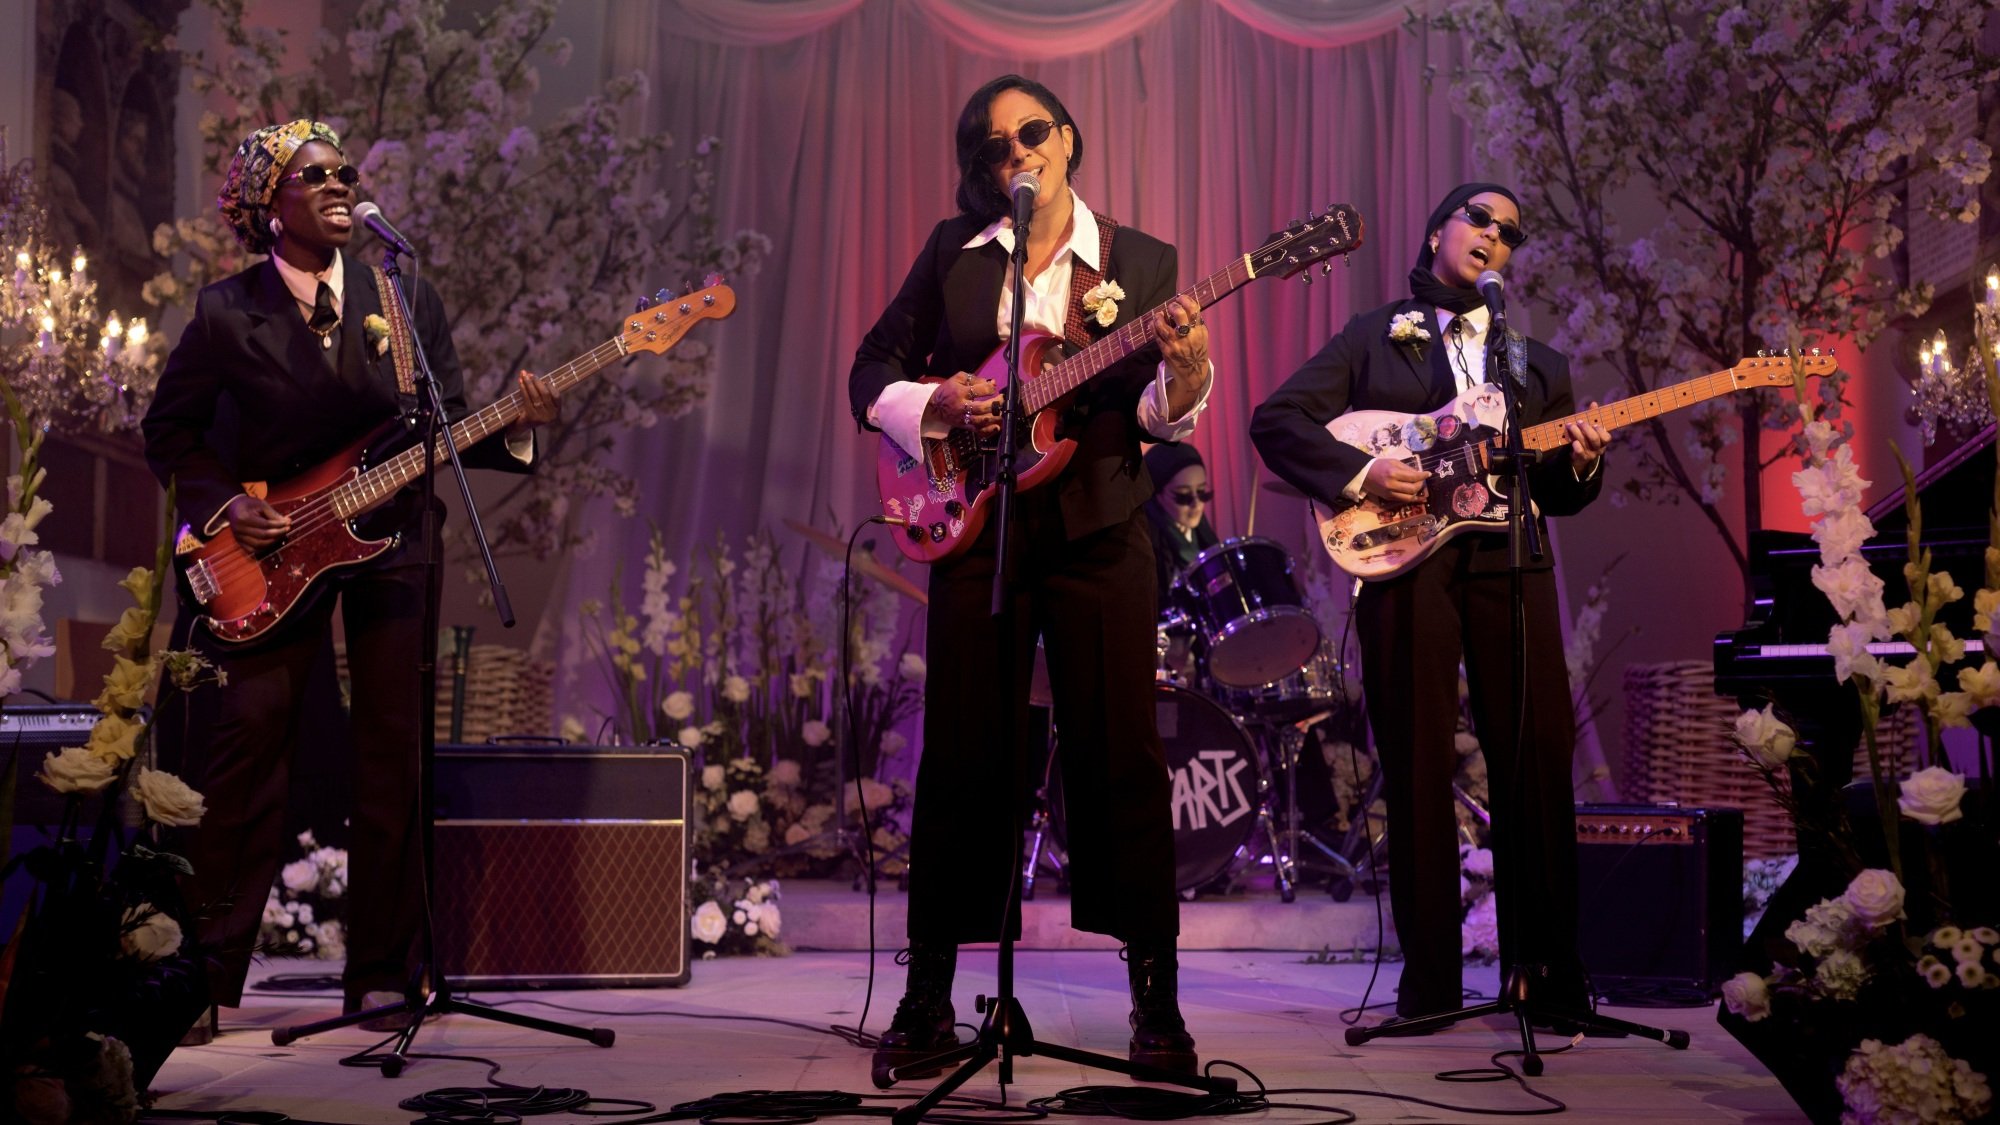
{"x": 865, "y": 562}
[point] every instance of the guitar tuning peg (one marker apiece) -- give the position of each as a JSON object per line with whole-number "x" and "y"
{"x": 1761, "y": 353}
{"x": 1295, "y": 223}
{"x": 1325, "y": 268}
{"x": 663, "y": 296}
{"x": 1312, "y": 216}
{"x": 641, "y": 305}
{"x": 1307, "y": 276}
{"x": 1815, "y": 351}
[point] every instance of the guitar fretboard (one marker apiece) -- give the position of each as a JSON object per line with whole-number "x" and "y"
{"x": 1130, "y": 337}
{"x": 378, "y": 484}
{"x": 1624, "y": 412}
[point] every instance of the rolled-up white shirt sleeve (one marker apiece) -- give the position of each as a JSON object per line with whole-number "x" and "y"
{"x": 1153, "y": 408}
{"x": 899, "y": 413}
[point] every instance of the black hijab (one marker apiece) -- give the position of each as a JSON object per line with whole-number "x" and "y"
{"x": 1424, "y": 284}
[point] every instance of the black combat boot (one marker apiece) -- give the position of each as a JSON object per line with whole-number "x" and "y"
{"x": 1159, "y": 1037}
{"x": 923, "y": 1023}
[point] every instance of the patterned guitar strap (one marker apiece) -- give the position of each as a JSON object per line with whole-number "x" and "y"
{"x": 399, "y": 340}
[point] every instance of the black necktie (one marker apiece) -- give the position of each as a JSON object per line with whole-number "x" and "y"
{"x": 323, "y": 318}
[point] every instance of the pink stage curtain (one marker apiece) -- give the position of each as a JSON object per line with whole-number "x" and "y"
{"x": 1208, "y": 125}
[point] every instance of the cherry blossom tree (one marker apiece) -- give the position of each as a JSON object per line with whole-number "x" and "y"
{"x": 1777, "y": 146}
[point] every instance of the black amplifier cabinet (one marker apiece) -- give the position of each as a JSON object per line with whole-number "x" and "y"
{"x": 1660, "y": 898}
{"x": 562, "y": 866}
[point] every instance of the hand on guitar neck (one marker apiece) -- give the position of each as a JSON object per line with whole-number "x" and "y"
{"x": 539, "y": 404}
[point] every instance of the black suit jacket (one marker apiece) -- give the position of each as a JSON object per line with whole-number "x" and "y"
{"x": 248, "y": 394}
{"x": 1362, "y": 369}
{"x": 944, "y": 320}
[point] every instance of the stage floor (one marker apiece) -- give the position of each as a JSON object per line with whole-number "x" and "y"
{"x": 1274, "y": 1013}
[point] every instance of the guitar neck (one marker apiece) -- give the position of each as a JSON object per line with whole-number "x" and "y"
{"x": 383, "y": 481}
{"x": 1652, "y": 404}
{"x": 1136, "y": 333}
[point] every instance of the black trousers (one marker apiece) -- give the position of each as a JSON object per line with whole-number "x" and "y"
{"x": 238, "y": 748}
{"x": 1094, "y": 603}
{"x": 1414, "y": 629}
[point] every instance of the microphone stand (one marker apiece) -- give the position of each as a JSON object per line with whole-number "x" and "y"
{"x": 1005, "y": 1033}
{"x": 1518, "y": 991}
{"x": 436, "y": 998}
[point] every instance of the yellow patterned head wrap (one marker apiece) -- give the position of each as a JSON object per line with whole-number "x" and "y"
{"x": 253, "y": 176}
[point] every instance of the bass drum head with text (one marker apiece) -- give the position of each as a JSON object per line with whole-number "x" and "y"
{"x": 1217, "y": 784}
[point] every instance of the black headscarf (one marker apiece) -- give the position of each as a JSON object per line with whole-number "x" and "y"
{"x": 1424, "y": 284}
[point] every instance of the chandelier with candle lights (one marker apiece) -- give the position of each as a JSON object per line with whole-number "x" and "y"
{"x": 74, "y": 366}
{"x": 1951, "y": 394}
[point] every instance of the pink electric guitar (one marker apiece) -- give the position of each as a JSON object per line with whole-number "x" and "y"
{"x": 941, "y": 491}
{"x": 245, "y": 594}
{"x": 1457, "y": 443}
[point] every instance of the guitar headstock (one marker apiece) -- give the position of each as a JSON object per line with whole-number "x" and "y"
{"x": 1776, "y": 370}
{"x": 660, "y": 327}
{"x": 1315, "y": 239}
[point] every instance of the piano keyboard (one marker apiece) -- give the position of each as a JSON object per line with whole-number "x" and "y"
{"x": 1875, "y": 648}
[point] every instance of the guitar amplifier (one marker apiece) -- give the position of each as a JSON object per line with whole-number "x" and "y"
{"x": 562, "y": 867}
{"x": 1660, "y": 899}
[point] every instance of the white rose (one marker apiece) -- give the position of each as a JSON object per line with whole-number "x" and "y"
{"x": 769, "y": 919}
{"x": 690, "y": 737}
{"x": 1766, "y": 737}
{"x": 785, "y": 772}
{"x": 742, "y": 804}
{"x": 815, "y": 732}
{"x": 1747, "y": 995}
{"x": 736, "y": 689}
{"x": 76, "y": 770}
{"x": 148, "y": 934}
{"x": 1876, "y": 897}
{"x": 711, "y": 778}
{"x": 300, "y": 876}
{"x": 678, "y": 706}
{"x": 708, "y": 924}
{"x": 168, "y": 800}
{"x": 1931, "y": 796}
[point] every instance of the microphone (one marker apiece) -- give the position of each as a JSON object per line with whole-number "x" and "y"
{"x": 1490, "y": 286}
{"x": 1022, "y": 188}
{"x": 372, "y": 215}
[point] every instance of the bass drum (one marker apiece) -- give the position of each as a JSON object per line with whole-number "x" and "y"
{"x": 1218, "y": 785}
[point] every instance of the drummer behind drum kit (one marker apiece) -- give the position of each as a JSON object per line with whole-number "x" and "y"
{"x": 1243, "y": 674}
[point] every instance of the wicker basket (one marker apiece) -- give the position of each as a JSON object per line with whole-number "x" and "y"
{"x": 1680, "y": 747}
{"x": 505, "y": 693}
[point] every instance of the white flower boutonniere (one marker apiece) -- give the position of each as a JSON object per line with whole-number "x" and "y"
{"x": 1102, "y": 300}
{"x": 1408, "y": 328}
{"x": 377, "y": 330}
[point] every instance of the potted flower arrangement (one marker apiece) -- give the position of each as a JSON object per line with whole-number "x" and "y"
{"x": 738, "y": 663}
{"x": 99, "y": 981}
{"x": 303, "y": 913}
{"x": 1872, "y": 996}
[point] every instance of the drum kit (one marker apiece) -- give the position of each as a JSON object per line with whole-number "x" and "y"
{"x": 1243, "y": 676}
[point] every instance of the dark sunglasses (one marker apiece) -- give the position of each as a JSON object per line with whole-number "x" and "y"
{"x": 1482, "y": 217}
{"x": 314, "y": 176}
{"x": 997, "y": 149}
{"x": 1186, "y": 497}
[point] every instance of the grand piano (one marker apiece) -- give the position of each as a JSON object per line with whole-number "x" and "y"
{"x": 1779, "y": 654}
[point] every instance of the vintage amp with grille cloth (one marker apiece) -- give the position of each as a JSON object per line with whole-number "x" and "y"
{"x": 562, "y": 866}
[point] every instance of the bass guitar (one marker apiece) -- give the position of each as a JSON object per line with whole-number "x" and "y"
{"x": 245, "y": 594}
{"x": 1458, "y": 444}
{"x": 940, "y": 493}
